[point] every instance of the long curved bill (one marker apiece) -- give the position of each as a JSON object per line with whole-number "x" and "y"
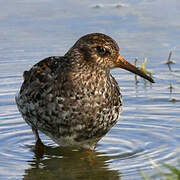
{"x": 122, "y": 63}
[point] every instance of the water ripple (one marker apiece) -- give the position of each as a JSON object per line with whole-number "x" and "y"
{"x": 149, "y": 126}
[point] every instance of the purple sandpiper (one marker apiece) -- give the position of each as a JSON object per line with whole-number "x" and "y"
{"x": 74, "y": 99}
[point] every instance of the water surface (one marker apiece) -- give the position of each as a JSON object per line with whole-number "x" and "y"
{"x": 149, "y": 126}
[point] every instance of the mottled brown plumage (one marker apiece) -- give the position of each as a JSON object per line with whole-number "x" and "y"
{"x": 73, "y": 98}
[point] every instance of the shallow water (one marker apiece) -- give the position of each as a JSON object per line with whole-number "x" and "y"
{"x": 149, "y": 126}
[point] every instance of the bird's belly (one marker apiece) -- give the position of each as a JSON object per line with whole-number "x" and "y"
{"x": 81, "y": 127}
{"x": 71, "y": 123}
{"x": 84, "y": 131}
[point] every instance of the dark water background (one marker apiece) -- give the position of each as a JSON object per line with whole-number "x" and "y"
{"x": 149, "y": 126}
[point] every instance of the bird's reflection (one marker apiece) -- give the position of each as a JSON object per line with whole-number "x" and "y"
{"x": 69, "y": 163}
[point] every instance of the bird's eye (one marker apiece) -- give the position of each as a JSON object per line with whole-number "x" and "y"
{"x": 101, "y": 50}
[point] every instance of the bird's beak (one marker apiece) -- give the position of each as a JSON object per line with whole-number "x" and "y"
{"x": 122, "y": 63}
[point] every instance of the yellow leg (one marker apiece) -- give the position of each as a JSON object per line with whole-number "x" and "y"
{"x": 90, "y": 157}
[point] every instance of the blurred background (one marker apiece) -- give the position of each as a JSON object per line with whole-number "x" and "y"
{"x": 149, "y": 126}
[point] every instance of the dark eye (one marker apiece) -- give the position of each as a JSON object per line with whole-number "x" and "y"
{"x": 101, "y": 50}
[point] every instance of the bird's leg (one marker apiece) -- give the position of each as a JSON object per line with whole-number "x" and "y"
{"x": 39, "y": 146}
{"x": 90, "y": 157}
{"x": 37, "y": 138}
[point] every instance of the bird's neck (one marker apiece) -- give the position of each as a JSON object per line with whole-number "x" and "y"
{"x": 85, "y": 66}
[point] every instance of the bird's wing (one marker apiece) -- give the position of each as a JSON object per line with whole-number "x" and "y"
{"x": 41, "y": 74}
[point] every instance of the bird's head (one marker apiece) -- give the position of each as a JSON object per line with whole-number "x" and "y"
{"x": 100, "y": 50}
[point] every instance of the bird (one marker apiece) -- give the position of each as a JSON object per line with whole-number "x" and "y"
{"x": 74, "y": 99}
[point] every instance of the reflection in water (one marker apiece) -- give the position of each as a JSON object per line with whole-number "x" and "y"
{"x": 66, "y": 163}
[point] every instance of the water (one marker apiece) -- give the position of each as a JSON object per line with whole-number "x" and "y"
{"x": 149, "y": 126}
